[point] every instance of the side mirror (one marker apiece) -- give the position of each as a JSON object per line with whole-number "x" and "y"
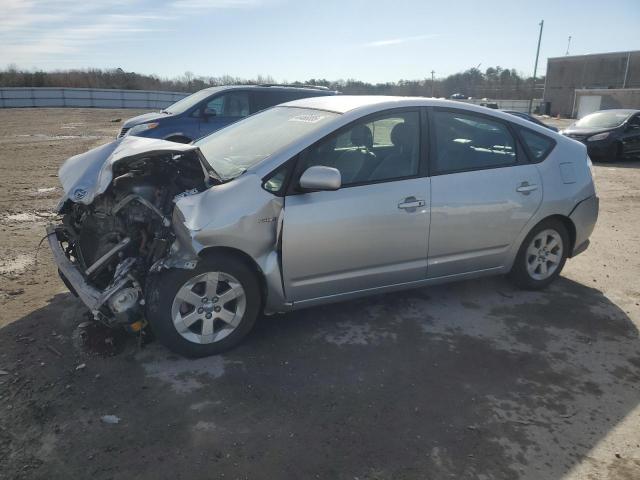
{"x": 206, "y": 113}
{"x": 320, "y": 178}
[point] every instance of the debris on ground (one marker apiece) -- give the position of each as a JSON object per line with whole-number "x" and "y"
{"x": 54, "y": 350}
{"x": 98, "y": 339}
{"x": 110, "y": 419}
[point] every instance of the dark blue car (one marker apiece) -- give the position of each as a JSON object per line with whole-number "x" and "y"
{"x": 211, "y": 109}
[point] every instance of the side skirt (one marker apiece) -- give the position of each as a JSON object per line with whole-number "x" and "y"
{"x": 392, "y": 288}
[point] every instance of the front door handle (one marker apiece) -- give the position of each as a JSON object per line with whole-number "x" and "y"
{"x": 411, "y": 203}
{"x": 526, "y": 188}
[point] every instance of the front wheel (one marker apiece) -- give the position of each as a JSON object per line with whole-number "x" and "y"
{"x": 542, "y": 256}
{"x": 204, "y": 311}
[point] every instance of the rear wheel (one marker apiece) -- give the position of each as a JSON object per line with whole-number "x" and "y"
{"x": 204, "y": 311}
{"x": 542, "y": 255}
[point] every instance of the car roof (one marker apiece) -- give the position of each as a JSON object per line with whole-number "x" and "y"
{"x": 270, "y": 87}
{"x": 363, "y": 104}
{"x": 627, "y": 111}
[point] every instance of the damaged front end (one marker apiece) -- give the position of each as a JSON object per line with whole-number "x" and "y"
{"x": 116, "y": 223}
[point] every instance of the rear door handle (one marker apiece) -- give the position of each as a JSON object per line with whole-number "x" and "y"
{"x": 526, "y": 188}
{"x": 411, "y": 202}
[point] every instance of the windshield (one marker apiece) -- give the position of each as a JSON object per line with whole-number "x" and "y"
{"x": 602, "y": 120}
{"x": 186, "y": 103}
{"x": 240, "y": 146}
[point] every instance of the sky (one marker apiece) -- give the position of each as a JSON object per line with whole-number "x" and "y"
{"x": 372, "y": 41}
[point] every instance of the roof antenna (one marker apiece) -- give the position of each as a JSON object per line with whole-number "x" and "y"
{"x": 568, "y": 45}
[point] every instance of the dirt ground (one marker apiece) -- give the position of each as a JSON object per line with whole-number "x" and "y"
{"x": 472, "y": 380}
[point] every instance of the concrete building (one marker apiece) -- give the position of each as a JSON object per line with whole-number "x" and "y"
{"x": 613, "y": 77}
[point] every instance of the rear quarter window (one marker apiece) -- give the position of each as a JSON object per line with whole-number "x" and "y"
{"x": 538, "y": 145}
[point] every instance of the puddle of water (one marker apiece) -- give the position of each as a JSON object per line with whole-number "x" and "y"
{"x": 16, "y": 265}
{"x": 348, "y": 333}
{"x": 200, "y": 406}
{"x": 182, "y": 374}
{"x": 203, "y": 426}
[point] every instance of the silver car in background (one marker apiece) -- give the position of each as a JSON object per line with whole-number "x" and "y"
{"x": 316, "y": 201}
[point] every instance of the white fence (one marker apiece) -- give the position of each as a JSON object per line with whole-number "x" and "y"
{"x": 14, "y": 97}
{"x": 108, "y": 98}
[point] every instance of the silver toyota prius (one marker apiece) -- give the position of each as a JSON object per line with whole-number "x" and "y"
{"x": 315, "y": 201}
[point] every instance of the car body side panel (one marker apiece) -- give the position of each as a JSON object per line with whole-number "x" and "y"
{"x": 560, "y": 198}
{"x": 630, "y": 136}
{"x": 239, "y": 215}
{"x": 477, "y": 215}
{"x": 355, "y": 238}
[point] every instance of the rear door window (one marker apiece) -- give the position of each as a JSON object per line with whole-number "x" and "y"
{"x": 465, "y": 141}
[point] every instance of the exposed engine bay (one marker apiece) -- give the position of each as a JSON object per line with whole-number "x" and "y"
{"x": 115, "y": 241}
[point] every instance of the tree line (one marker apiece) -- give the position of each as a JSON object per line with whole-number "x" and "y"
{"x": 494, "y": 82}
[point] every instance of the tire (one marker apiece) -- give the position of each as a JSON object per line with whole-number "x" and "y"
{"x": 174, "y": 301}
{"x": 540, "y": 261}
{"x": 618, "y": 155}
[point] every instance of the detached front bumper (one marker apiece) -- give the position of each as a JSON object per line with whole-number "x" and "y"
{"x": 584, "y": 217}
{"x": 75, "y": 280}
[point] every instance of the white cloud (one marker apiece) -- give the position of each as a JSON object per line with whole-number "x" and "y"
{"x": 398, "y": 41}
{"x": 34, "y": 32}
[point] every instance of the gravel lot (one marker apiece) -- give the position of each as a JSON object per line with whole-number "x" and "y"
{"x": 471, "y": 380}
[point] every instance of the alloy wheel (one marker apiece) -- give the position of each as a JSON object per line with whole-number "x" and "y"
{"x": 544, "y": 254}
{"x": 208, "y": 307}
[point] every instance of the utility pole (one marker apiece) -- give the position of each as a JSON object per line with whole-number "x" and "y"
{"x": 535, "y": 68}
{"x": 568, "y": 45}
{"x": 432, "y": 82}
{"x": 626, "y": 71}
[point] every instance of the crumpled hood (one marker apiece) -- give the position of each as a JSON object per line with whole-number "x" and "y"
{"x": 88, "y": 174}
{"x": 144, "y": 118}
